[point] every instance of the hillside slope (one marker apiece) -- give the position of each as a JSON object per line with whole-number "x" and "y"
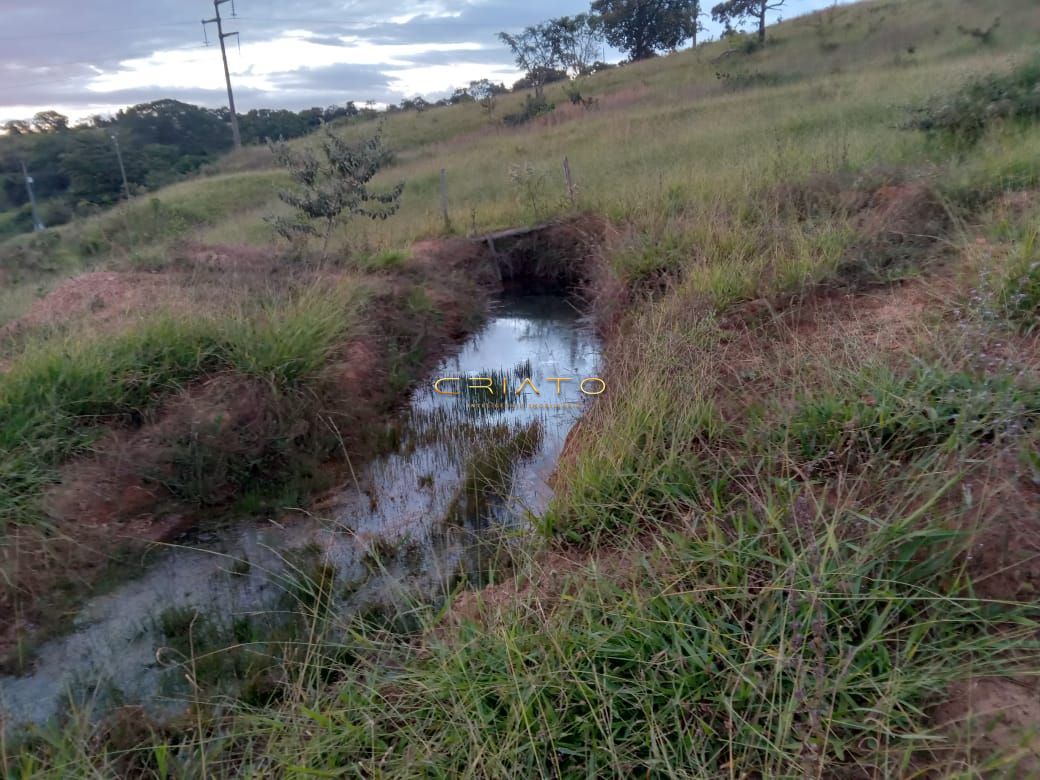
{"x": 799, "y": 535}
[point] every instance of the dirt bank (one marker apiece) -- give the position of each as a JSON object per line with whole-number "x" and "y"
{"x": 188, "y": 457}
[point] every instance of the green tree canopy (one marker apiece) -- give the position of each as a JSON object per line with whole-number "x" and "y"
{"x": 333, "y": 185}
{"x": 538, "y": 51}
{"x": 645, "y": 27}
{"x": 737, "y": 10}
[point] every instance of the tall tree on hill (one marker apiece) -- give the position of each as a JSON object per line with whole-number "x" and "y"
{"x": 645, "y": 27}
{"x": 538, "y": 51}
{"x": 191, "y": 129}
{"x": 731, "y": 10}
{"x": 696, "y": 12}
{"x": 580, "y": 39}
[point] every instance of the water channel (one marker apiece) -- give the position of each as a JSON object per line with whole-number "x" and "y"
{"x": 403, "y": 528}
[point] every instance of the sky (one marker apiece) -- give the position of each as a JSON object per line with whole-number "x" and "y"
{"x": 84, "y": 57}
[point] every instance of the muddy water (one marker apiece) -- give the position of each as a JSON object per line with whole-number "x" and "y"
{"x": 403, "y": 530}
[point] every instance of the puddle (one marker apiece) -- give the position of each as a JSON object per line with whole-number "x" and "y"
{"x": 404, "y": 528}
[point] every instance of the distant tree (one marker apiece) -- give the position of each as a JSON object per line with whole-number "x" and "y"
{"x": 486, "y": 93}
{"x": 460, "y": 95}
{"x": 340, "y": 112}
{"x": 43, "y": 154}
{"x": 543, "y": 77}
{"x": 94, "y": 176}
{"x": 580, "y": 40}
{"x": 95, "y": 120}
{"x": 736, "y": 10}
{"x": 161, "y": 141}
{"x": 50, "y": 122}
{"x": 18, "y": 127}
{"x": 332, "y": 187}
{"x": 262, "y": 124}
{"x": 192, "y": 130}
{"x": 538, "y": 51}
{"x": 645, "y": 27}
{"x": 314, "y": 117}
{"x": 417, "y": 104}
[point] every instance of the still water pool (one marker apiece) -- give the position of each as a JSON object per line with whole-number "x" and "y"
{"x": 404, "y": 529}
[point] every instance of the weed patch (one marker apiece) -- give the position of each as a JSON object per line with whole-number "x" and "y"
{"x": 882, "y": 414}
{"x": 1021, "y": 292}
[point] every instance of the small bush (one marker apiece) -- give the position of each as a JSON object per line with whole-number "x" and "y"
{"x": 1022, "y": 289}
{"x": 966, "y": 116}
{"x": 573, "y": 91}
{"x": 984, "y": 35}
{"x": 734, "y": 82}
{"x": 533, "y": 108}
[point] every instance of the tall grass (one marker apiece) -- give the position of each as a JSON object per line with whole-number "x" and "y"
{"x": 775, "y": 633}
{"x": 57, "y": 398}
{"x": 739, "y": 647}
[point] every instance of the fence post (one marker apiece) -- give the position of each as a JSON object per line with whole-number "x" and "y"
{"x": 570, "y": 181}
{"x": 444, "y": 199}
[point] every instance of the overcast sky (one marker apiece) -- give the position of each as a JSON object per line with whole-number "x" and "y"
{"x": 82, "y": 57}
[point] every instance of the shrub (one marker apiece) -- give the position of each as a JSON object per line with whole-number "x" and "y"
{"x": 573, "y": 91}
{"x": 1022, "y": 289}
{"x": 533, "y": 108}
{"x": 737, "y": 81}
{"x": 333, "y": 187}
{"x": 984, "y": 35}
{"x": 966, "y": 116}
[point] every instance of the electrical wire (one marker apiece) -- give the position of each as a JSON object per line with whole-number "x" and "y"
{"x": 66, "y": 33}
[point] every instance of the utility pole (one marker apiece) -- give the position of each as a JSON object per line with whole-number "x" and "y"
{"x": 227, "y": 73}
{"x": 37, "y": 225}
{"x": 122, "y": 168}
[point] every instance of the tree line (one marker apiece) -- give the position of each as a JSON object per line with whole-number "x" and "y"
{"x": 570, "y": 46}
{"x": 75, "y": 168}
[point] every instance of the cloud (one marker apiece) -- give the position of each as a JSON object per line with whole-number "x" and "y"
{"x": 79, "y": 56}
{"x": 331, "y": 84}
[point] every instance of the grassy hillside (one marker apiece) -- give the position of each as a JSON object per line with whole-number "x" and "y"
{"x": 828, "y": 91}
{"x": 797, "y": 538}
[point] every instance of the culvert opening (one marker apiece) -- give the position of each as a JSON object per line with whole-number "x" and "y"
{"x": 552, "y": 259}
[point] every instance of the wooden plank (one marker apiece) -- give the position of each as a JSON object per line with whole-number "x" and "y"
{"x": 512, "y": 233}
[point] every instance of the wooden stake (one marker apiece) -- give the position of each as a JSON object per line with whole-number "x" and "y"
{"x": 570, "y": 181}
{"x": 444, "y": 199}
